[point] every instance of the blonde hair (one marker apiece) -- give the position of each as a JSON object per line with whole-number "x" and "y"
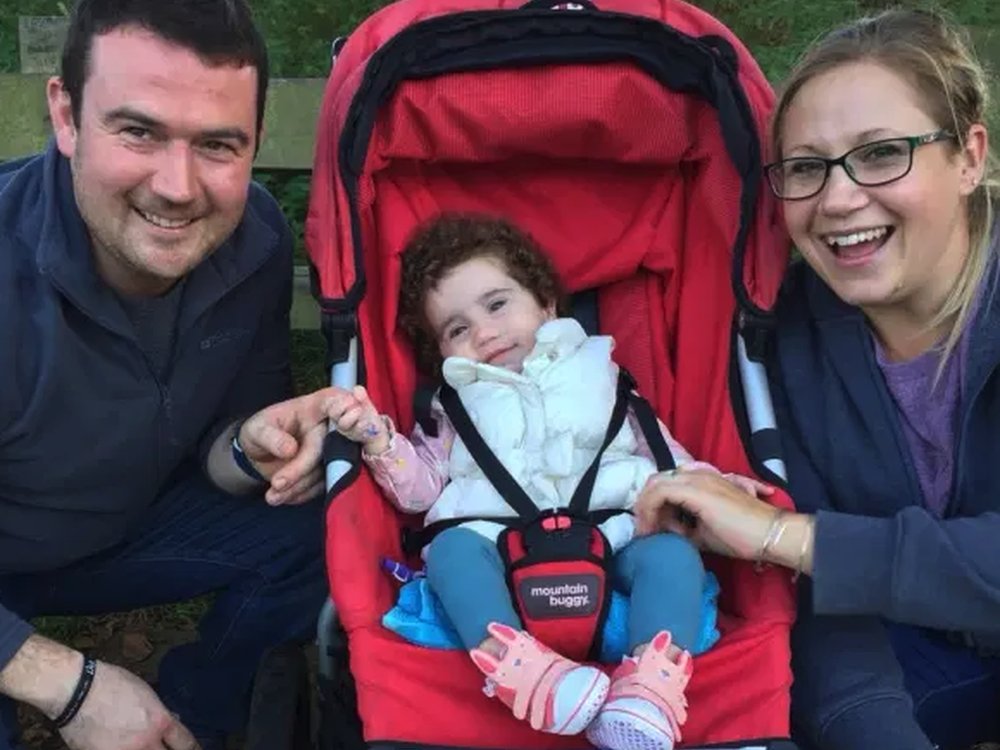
{"x": 935, "y": 55}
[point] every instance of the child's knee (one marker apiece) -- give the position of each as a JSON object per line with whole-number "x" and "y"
{"x": 449, "y": 543}
{"x": 455, "y": 546}
{"x": 672, "y": 552}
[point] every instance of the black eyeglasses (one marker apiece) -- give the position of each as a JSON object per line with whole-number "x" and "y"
{"x": 870, "y": 164}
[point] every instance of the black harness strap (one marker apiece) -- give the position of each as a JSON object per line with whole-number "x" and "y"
{"x": 513, "y": 493}
{"x": 423, "y": 397}
{"x": 650, "y": 427}
{"x": 415, "y": 540}
{"x": 579, "y": 504}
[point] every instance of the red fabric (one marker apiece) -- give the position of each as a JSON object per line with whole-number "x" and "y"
{"x": 739, "y": 689}
{"x": 328, "y": 232}
{"x": 629, "y": 188}
{"x": 434, "y": 698}
{"x": 573, "y": 635}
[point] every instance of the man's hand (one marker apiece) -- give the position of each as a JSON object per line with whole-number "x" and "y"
{"x": 121, "y": 712}
{"x": 285, "y": 444}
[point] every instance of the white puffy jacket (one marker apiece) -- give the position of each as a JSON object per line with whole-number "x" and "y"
{"x": 545, "y": 424}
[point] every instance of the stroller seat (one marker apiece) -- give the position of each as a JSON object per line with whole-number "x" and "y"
{"x": 627, "y": 141}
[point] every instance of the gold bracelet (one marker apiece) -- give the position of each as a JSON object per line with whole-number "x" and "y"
{"x": 774, "y": 532}
{"x": 807, "y": 535}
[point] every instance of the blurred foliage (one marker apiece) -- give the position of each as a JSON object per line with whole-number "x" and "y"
{"x": 292, "y": 192}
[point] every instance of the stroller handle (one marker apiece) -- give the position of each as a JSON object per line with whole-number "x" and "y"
{"x": 759, "y": 410}
{"x": 342, "y": 375}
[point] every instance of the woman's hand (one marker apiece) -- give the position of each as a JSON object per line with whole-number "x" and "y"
{"x": 709, "y": 509}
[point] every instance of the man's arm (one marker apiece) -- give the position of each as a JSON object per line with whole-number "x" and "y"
{"x": 265, "y": 377}
{"x": 222, "y": 468}
{"x": 282, "y": 443}
{"x": 41, "y": 673}
{"x": 34, "y": 669}
{"x": 120, "y": 710}
{"x": 13, "y": 633}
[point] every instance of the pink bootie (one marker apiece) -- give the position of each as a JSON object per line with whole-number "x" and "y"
{"x": 646, "y": 705}
{"x": 556, "y": 695}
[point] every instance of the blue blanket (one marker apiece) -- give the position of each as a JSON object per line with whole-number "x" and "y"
{"x": 419, "y": 618}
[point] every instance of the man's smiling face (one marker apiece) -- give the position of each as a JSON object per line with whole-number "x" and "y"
{"x": 161, "y": 156}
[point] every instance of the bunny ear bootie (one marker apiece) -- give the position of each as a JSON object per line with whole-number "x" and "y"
{"x": 646, "y": 706}
{"x": 553, "y": 693}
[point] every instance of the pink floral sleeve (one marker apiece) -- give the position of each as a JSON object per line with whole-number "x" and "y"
{"x": 412, "y": 472}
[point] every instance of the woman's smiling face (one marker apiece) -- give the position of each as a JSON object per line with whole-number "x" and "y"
{"x": 899, "y": 244}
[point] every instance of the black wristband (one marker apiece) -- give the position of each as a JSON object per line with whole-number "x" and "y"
{"x": 243, "y": 460}
{"x": 79, "y": 693}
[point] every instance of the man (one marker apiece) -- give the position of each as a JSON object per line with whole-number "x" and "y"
{"x": 146, "y": 452}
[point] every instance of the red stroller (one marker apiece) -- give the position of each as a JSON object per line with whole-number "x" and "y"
{"x": 627, "y": 140}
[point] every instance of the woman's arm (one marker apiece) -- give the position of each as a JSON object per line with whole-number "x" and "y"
{"x": 911, "y": 568}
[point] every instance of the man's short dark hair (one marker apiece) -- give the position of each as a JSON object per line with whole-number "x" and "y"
{"x": 219, "y": 31}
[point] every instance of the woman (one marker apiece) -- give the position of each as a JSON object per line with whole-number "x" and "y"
{"x": 885, "y": 374}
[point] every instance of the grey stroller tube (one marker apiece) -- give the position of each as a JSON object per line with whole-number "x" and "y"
{"x": 342, "y": 375}
{"x": 759, "y": 407}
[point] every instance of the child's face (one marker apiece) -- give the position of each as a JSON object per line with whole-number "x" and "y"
{"x": 479, "y": 312}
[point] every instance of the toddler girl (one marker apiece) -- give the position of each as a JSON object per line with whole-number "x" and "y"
{"x": 479, "y": 301}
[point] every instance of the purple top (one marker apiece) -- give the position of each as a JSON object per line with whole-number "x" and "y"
{"x": 928, "y": 412}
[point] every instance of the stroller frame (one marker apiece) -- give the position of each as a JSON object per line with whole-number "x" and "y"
{"x": 433, "y": 46}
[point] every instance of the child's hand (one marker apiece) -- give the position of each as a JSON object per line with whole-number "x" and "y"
{"x": 355, "y": 417}
{"x": 748, "y": 484}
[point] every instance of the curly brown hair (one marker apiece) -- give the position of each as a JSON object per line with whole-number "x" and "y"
{"x": 446, "y": 242}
